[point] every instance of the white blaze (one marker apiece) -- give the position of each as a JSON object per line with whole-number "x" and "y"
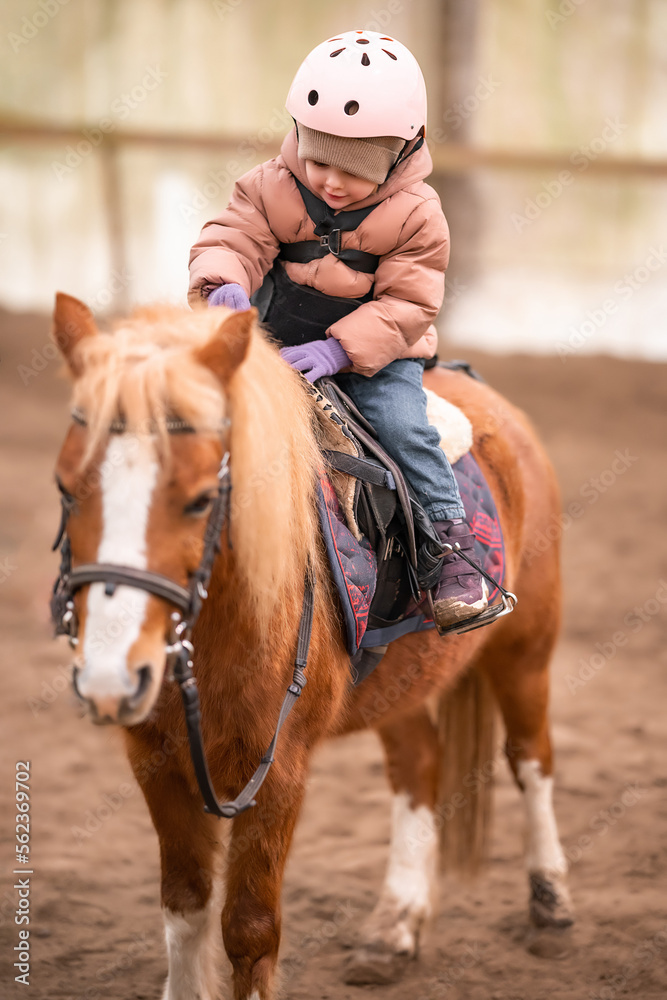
{"x": 544, "y": 853}
{"x": 113, "y": 624}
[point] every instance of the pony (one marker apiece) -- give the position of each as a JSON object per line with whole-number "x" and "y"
{"x": 138, "y": 496}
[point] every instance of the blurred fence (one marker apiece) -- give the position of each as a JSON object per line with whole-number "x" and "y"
{"x": 125, "y": 126}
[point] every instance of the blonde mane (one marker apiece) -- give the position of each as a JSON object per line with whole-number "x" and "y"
{"x": 145, "y": 371}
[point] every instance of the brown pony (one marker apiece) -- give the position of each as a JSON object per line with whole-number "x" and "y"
{"x": 139, "y": 498}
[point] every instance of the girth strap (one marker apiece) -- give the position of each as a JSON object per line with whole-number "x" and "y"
{"x": 329, "y": 228}
{"x": 188, "y": 685}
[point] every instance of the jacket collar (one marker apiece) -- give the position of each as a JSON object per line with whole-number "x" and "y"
{"x": 409, "y": 171}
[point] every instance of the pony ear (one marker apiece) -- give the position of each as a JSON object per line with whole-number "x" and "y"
{"x": 72, "y": 322}
{"x": 228, "y": 346}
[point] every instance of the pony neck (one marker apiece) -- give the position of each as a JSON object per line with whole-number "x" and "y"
{"x": 274, "y": 467}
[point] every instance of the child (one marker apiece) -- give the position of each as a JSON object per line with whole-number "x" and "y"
{"x": 360, "y": 300}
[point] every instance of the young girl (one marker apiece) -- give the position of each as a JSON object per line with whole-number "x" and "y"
{"x": 344, "y": 248}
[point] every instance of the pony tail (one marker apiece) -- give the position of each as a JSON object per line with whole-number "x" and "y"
{"x": 467, "y": 750}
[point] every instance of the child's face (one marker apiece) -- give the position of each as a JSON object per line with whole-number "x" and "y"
{"x": 336, "y": 187}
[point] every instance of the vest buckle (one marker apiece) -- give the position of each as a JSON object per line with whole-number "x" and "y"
{"x": 331, "y": 242}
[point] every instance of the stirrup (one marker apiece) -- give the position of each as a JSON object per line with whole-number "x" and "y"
{"x": 508, "y": 602}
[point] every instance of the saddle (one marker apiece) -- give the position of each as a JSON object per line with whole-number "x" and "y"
{"x": 372, "y": 498}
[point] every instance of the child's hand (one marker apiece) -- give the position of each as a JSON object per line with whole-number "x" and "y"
{"x": 231, "y": 295}
{"x": 317, "y": 358}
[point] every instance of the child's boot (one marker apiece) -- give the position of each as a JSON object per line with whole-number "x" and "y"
{"x": 462, "y": 590}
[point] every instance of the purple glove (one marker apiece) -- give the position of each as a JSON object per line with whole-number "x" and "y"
{"x": 317, "y": 358}
{"x": 230, "y": 295}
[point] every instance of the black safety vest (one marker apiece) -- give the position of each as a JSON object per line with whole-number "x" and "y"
{"x": 295, "y": 313}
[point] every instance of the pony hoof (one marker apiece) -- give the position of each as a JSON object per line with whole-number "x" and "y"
{"x": 549, "y": 910}
{"x": 375, "y": 965}
{"x": 550, "y": 943}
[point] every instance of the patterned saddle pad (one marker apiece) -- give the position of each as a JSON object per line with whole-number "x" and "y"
{"x": 354, "y": 568}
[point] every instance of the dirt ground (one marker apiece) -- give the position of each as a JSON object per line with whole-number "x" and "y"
{"x": 96, "y": 927}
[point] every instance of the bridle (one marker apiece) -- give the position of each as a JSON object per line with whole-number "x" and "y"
{"x": 189, "y": 600}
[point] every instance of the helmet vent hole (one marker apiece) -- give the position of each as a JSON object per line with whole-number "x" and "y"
{"x": 351, "y": 107}
{"x": 313, "y": 97}
{"x": 362, "y": 41}
{"x": 384, "y": 38}
{"x": 390, "y": 54}
{"x": 336, "y": 53}
{"x": 365, "y": 61}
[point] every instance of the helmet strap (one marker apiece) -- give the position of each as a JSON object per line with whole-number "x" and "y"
{"x": 402, "y": 156}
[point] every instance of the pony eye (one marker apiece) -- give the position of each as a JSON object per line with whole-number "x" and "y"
{"x": 199, "y": 505}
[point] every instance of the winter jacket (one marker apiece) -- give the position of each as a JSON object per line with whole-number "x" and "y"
{"x": 407, "y": 230}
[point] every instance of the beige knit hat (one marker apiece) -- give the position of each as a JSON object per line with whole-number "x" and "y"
{"x": 370, "y": 158}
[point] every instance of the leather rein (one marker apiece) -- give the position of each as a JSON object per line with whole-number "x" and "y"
{"x": 188, "y": 600}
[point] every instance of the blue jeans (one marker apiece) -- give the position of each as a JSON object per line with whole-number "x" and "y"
{"x": 394, "y": 402}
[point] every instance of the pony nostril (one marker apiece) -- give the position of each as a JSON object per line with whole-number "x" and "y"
{"x": 145, "y": 676}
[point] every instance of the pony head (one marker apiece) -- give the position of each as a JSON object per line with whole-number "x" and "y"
{"x": 139, "y": 495}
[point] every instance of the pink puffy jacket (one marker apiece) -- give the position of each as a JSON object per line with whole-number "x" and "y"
{"x": 407, "y": 230}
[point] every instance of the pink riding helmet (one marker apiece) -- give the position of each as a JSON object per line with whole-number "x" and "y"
{"x": 360, "y": 84}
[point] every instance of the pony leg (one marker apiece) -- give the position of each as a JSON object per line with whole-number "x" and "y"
{"x": 188, "y": 849}
{"x": 519, "y": 674}
{"x": 390, "y": 935}
{"x": 256, "y": 859}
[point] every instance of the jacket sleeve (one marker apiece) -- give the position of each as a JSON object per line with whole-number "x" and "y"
{"x": 239, "y": 245}
{"x": 409, "y": 290}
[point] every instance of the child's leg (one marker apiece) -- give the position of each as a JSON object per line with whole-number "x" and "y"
{"x": 395, "y": 404}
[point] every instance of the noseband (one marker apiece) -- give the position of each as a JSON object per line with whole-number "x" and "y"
{"x": 189, "y": 600}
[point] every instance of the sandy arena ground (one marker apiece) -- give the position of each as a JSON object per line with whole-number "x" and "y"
{"x": 96, "y": 927}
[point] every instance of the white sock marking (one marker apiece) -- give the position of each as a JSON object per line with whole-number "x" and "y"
{"x": 113, "y": 624}
{"x": 405, "y": 900}
{"x": 412, "y": 855}
{"x": 544, "y": 853}
{"x": 192, "y": 953}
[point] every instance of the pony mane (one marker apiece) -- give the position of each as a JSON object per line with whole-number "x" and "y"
{"x": 145, "y": 370}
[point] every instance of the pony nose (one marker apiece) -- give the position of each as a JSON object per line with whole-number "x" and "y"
{"x": 114, "y": 708}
